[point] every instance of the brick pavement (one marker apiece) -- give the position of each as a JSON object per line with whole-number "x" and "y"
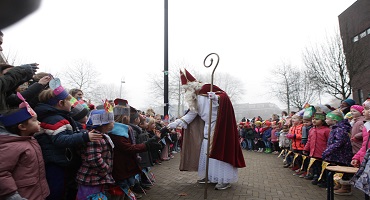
{"x": 263, "y": 178}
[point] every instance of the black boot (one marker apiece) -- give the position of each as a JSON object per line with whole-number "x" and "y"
{"x": 137, "y": 188}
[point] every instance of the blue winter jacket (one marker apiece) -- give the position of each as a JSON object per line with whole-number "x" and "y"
{"x": 59, "y": 136}
{"x": 266, "y": 134}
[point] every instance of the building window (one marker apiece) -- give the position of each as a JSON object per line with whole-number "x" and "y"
{"x": 355, "y": 39}
{"x": 360, "y": 95}
{"x": 363, "y": 34}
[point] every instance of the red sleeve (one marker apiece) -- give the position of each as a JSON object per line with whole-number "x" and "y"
{"x": 124, "y": 144}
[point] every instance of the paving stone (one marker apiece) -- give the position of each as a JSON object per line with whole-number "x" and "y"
{"x": 263, "y": 178}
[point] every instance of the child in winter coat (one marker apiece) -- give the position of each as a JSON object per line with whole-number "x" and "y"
{"x": 316, "y": 144}
{"x": 143, "y": 160}
{"x": 258, "y": 143}
{"x": 59, "y": 139}
{"x": 126, "y": 165}
{"x": 359, "y": 156}
{"x": 307, "y": 125}
{"x": 339, "y": 149}
{"x": 295, "y": 135}
{"x": 266, "y": 135}
{"x": 275, "y": 137}
{"x": 284, "y": 142}
{"x": 357, "y": 126}
{"x": 249, "y": 135}
{"x": 22, "y": 172}
{"x": 79, "y": 113}
{"x": 95, "y": 173}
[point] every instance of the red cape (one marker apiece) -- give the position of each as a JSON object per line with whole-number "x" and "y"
{"x": 225, "y": 144}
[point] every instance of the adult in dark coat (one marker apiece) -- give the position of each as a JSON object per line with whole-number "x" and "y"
{"x": 13, "y": 78}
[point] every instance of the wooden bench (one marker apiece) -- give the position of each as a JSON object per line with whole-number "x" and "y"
{"x": 341, "y": 169}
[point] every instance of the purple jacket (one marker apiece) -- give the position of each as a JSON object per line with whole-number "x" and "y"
{"x": 339, "y": 148}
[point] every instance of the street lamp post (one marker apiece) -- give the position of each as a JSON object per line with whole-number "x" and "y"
{"x": 166, "y": 107}
{"x": 120, "y": 90}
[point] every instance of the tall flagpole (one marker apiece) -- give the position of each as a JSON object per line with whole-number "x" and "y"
{"x": 209, "y": 116}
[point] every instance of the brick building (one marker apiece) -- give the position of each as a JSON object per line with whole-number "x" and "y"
{"x": 354, "y": 24}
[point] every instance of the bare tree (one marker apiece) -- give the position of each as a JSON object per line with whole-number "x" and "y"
{"x": 104, "y": 91}
{"x": 12, "y": 58}
{"x": 230, "y": 84}
{"x": 327, "y": 66}
{"x": 174, "y": 87}
{"x": 282, "y": 84}
{"x": 302, "y": 90}
{"x": 81, "y": 75}
{"x": 292, "y": 86}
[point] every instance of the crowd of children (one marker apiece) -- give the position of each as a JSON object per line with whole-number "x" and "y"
{"x": 61, "y": 147}
{"x": 314, "y": 138}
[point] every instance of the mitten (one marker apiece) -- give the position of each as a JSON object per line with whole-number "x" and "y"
{"x": 32, "y": 67}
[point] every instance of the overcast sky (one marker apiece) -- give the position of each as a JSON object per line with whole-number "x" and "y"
{"x": 251, "y": 37}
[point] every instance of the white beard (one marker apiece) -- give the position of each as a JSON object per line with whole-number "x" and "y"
{"x": 191, "y": 94}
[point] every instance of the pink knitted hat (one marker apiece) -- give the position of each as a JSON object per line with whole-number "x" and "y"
{"x": 358, "y": 108}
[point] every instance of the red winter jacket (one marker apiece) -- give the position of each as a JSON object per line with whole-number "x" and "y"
{"x": 317, "y": 140}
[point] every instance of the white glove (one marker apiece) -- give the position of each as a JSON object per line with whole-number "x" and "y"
{"x": 174, "y": 124}
{"x": 212, "y": 96}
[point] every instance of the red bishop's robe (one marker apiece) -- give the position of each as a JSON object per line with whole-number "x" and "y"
{"x": 225, "y": 144}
